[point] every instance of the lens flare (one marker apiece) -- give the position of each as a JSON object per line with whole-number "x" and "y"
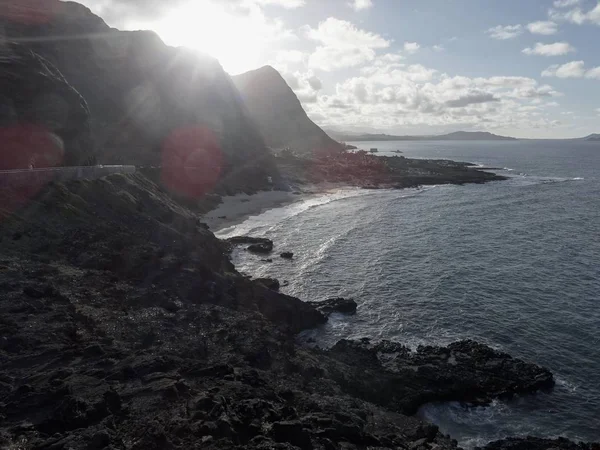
{"x": 191, "y": 161}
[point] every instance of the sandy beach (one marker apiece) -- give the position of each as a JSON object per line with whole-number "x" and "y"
{"x": 235, "y": 209}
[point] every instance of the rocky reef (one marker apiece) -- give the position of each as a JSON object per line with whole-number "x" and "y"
{"x": 123, "y": 325}
{"x": 377, "y": 172}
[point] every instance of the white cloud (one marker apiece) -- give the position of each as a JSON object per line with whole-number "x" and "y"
{"x": 304, "y": 84}
{"x": 315, "y": 83}
{"x": 289, "y": 4}
{"x": 388, "y": 59}
{"x": 593, "y": 73}
{"x": 342, "y": 45}
{"x": 505, "y": 32}
{"x": 334, "y": 58}
{"x": 411, "y": 47}
{"x": 573, "y": 69}
{"x": 565, "y": 3}
{"x": 543, "y": 27}
{"x": 438, "y": 48}
{"x": 556, "y": 49}
{"x": 291, "y": 56}
{"x": 340, "y": 33}
{"x": 472, "y": 98}
{"x": 386, "y": 97}
{"x": 577, "y": 15}
{"x": 359, "y": 5}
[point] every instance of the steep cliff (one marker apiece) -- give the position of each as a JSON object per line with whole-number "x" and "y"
{"x": 150, "y": 104}
{"x": 279, "y": 114}
{"x": 44, "y": 122}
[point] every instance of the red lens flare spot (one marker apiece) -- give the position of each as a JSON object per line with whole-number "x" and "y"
{"x": 29, "y": 12}
{"x": 29, "y": 147}
{"x": 25, "y": 150}
{"x": 192, "y": 161}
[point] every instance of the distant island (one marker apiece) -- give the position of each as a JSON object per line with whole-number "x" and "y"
{"x": 592, "y": 137}
{"x": 456, "y": 136}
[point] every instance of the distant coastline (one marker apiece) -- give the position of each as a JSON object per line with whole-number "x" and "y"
{"x": 457, "y": 136}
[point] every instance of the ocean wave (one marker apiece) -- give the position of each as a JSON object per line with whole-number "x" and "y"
{"x": 260, "y": 224}
{"x": 568, "y": 385}
{"x": 524, "y": 179}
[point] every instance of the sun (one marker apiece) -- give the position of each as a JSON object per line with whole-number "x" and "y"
{"x": 203, "y": 25}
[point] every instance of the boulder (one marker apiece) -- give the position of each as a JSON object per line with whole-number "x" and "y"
{"x": 271, "y": 283}
{"x": 287, "y": 255}
{"x": 240, "y": 240}
{"x": 340, "y": 304}
{"x": 260, "y": 248}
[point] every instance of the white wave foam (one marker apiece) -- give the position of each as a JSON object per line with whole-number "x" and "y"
{"x": 531, "y": 180}
{"x": 568, "y": 385}
{"x": 261, "y": 223}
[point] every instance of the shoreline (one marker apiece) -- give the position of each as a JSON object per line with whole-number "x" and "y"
{"x": 236, "y": 209}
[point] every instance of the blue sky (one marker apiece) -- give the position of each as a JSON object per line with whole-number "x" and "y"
{"x": 526, "y": 68}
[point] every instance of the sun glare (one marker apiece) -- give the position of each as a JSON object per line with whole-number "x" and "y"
{"x": 205, "y": 26}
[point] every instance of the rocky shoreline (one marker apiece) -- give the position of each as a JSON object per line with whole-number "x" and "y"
{"x": 123, "y": 325}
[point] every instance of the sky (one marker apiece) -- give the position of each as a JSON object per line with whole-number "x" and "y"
{"x": 524, "y": 68}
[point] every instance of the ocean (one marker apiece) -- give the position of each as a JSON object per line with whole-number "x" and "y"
{"x": 514, "y": 264}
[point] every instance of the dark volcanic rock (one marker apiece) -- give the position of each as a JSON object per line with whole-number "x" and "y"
{"x": 237, "y": 240}
{"x": 271, "y": 283}
{"x": 257, "y": 245}
{"x": 532, "y": 443}
{"x": 260, "y": 248}
{"x": 287, "y": 255}
{"x": 44, "y": 121}
{"x": 465, "y": 371}
{"x": 341, "y": 305}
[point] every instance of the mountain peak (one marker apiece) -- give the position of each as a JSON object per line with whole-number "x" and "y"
{"x": 279, "y": 114}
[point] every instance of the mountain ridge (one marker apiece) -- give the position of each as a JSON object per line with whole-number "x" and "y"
{"x": 278, "y": 113}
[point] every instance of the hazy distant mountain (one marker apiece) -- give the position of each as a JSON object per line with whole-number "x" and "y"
{"x": 592, "y": 137}
{"x": 278, "y": 113}
{"x": 457, "y": 136}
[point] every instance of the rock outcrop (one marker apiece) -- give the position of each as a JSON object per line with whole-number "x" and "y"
{"x": 339, "y": 305}
{"x": 44, "y": 121}
{"x": 279, "y": 114}
{"x": 465, "y": 371}
{"x": 150, "y": 104}
{"x": 532, "y": 443}
{"x": 271, "y": 283}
